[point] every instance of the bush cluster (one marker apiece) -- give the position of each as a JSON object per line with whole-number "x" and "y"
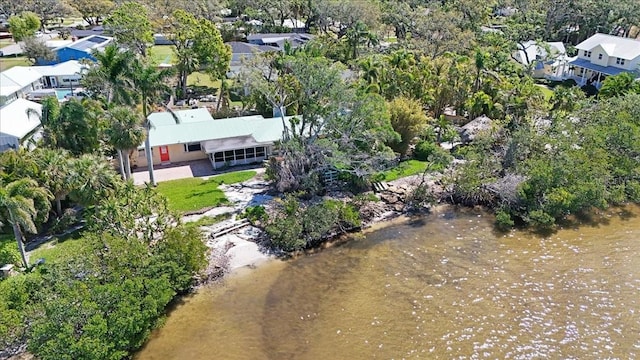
{"x": 102, "y": 301}
{"x": 296, "y": 226}
{"x": 432, "y": 152}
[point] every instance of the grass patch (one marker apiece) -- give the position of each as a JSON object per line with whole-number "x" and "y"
{"x": 9, "y": 62}
{"x": 6, "y": 42}
{"x": 404, "y": 169}
{"x": 161, "y": 54}
{"x": 548, "y": 93}
{"x": 202, "y": 79}
{"x": 69, "y": 21}
{"x": 59, "y": 249}
{"x": 194, "y": 194}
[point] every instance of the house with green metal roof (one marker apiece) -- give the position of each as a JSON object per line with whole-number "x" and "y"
{"x": 188, "y": 135}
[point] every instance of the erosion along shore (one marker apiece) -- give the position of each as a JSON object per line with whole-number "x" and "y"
{"x": 235, "y": 243}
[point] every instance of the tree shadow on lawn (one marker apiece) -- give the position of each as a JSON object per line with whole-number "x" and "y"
{"x": 205, "y": 192}
{"x": 196, "y": 91}
{"x": 74, "y": 233}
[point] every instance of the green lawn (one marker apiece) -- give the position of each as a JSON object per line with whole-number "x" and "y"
{"x": 194, "y": 194}
{"x": 69, "y": 21}
{"x": 404, "y": 169}
{"x": 161, "y": 54}
{"x": 6, "y": 42}
{"x": 57, "y": 250}
{"x": 548, "y": 93}
{"x": 202, "y": 79}
{"x": 9, "y": 62}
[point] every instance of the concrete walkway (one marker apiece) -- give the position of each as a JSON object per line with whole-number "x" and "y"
{"x": 198, "y": 168}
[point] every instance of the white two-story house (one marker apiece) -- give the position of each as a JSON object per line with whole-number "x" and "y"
{"x": 604, "y": 55}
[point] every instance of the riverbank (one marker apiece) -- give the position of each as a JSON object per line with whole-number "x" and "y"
{"x": 248, "y": 246}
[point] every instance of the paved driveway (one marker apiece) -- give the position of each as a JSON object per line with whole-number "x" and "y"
{"x": 197, "y": 168}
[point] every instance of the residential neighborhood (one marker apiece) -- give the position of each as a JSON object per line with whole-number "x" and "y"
{"x": 322, "y": 179}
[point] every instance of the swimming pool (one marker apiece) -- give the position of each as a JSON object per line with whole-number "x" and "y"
{"x": 60, "y": 94}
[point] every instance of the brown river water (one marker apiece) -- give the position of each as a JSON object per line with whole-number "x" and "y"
{"x": 445, "y": 286}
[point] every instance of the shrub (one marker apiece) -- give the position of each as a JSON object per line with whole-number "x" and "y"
{"x": 432, "y": 152}
{"x": 255, "y": 214}
{"x": 504, "y": 221}
{"x": 541, "y": 219}
{"x": 64, "y": 222}
{"x": 297, "y": 227}
{"x": 286, "y": 233}
{"x": 9, "y": 253}
{"x": 424, "y": 149}
{"x": 318, "y": 221}
{"x": 590, "y": 90}
{"x": 180, "y": 255}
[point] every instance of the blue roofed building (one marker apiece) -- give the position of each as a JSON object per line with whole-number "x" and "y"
{"x": 79, "y": 50}
{"x": 604, "y": 55}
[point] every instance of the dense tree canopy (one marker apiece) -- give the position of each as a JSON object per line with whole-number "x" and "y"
{"x": 92, "y": 11}
{"x": 24, "y": 25}
{"x": 131, "y": 27}
{"x": 198, "y": 45}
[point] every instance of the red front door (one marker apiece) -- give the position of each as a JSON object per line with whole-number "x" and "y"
{"x": 164, "y": 154}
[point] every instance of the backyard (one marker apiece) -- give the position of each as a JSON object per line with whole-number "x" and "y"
{"x": 193, "y": 194}
{"x": 10, "y": 61}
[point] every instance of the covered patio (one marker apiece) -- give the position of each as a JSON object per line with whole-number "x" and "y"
{"x": 584, "y": 72}
{"x": 239, "y": 150}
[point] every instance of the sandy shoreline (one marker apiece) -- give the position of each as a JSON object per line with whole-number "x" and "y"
{"x": 240, "y": 248}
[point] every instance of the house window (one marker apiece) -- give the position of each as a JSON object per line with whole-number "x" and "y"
{"x": 588, "y": 54}
{"x": 239, "y": 154}
{"x": 619, "y": 61}
{"x": 259, "y": 151}
{"x": 599, "y": 56}
{"x": 218, "y": 157}
{"x": 191, "y": 147}
{"x": 585, "y": 53}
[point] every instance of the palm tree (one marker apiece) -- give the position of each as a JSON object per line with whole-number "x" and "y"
{"x": 111, "y": 74}
{"x": 93, "y": 179}
{"x": 371, "y": 73}
{"x": 18, "y": 202}
{"x": 56, "y": 173}
{"x": 49, "y": 120}
{"x": 357, "y": 35}
{"x": 125, "y": 132}
{"x": 17, "y": 164}
{"x": 151, "y": 85}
